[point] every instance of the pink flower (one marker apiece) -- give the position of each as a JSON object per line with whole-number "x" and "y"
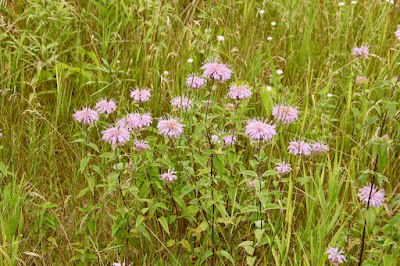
{"x": 181, "y": 102}
{"x": 377, "y": 196}
{"x": 140, "y": 95}
{"x": 1, "y": 135}
{"x": 287, "y": 114}
{"x": 216, "y": 71}
{"x": 146, "y": 120}
{"x": 170, "y": 128}
{"x": 141, "y": 145}
{"x": 319, "y": 148}
{"x": 250, "y": 183}
{"x": 227, "y": 139}
{"x": 241, "y": 92}
{"x": 397, "y": 32}
{"x": 363, "y": 51}
{"x": 258, "y": 130}
{"x": 116, "y": 135}
{"x": 195, "y": 82}
{"x": 86, "y": 116}
{"x": 283, "y": 168}
{"x": 104, "y": 106}
{"x": 299, "y": 148}
{"x": 135, "y": 121}
{"x": 335, "y": 256}
{"x": 169, "y": 177}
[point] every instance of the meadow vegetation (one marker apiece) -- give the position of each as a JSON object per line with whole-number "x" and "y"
{"x": 263, "y": 128}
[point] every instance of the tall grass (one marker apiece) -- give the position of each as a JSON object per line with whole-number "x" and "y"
{"x": 59, "y": 205}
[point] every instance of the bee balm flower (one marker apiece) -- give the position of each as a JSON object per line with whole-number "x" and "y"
{"x": 141, "y": 145}
{"x": 319, "y": 148}
{"x": 135, "y": 121}
{"x": 169, "y": 177}
{"x": 283, "y": 168}
{"x": 170, "y": 128}
{"x": 376, "y": 199}
{"x": 335, "y": 256}
{"x": 363, "y": 51}
{"x": 116, "y": 135}
{"x": 239, "y": 92}
{"x": 284, "y": 113}
{"x": 86, "y": 116}
{"x": 216, "y": 71}
{"x": 258, "y": 130}
{"x": 195, "y": 82}
{"x": 183, "y": 103}
{"x": 104, "y": 106}
{"x": 299, "y": 148}
{"x": 140, "y": 95}
{"x": 397, "y": 32}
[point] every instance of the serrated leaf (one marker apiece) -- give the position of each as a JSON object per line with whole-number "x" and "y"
{"x": 164, "y": 223}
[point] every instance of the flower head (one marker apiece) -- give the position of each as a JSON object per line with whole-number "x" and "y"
{"x": 286, "y": 114}
{"x": 239, "y": 92}
{"x": 170, "y": 127}
{"x": 141, "y": 145}
{"x": 216, "y": 71}
{"x": 116, "y": 135}
{"x": 283, "y": 168}
{"x": 279, "y": 72}
{"x": 363, "y": 51}
{"x": 258, "y": 130}
{"x": 195, "y": 82}
{"x": 361, "y": 80}
{"x": 319, "y": 148}
{"x": 104, "y": 106}
{"x": 299, "y": 148}
{"x": 335, "y": 256}
{"x": 397, "y": 32}
{"x": 250, "y": 183}
{"x": 140, "y": 95}
{"x": 182, "y": 102}
{"x": 227, "y": 139}
{"x": 146, "y": 120}
{"x": 86, "y": 116}
{"x": 376, "y": 199}
{"x": 135, "y": 121}
{"x": 169, "y": 177}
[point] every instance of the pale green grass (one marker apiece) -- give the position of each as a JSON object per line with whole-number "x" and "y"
{"x": 57, "y": 56}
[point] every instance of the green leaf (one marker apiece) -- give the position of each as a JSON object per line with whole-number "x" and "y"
{"x": 231, "y": 158}
{"x": 246, "y": 243}
{"x": 267, "y": 97}
{"x": 84, "y": 163}
{"x": 144, "y": 232}
{"x": 251, "y": 260}
{"x": 227, "y": 255}
{"x": 112, "y": 179}
{"x": 139, "y": 220}
{"x": 164, "y": 223}
{"x": 91, "y": 182}
{"x": 94, "y": 147}
{"x": 259, "y": 233}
